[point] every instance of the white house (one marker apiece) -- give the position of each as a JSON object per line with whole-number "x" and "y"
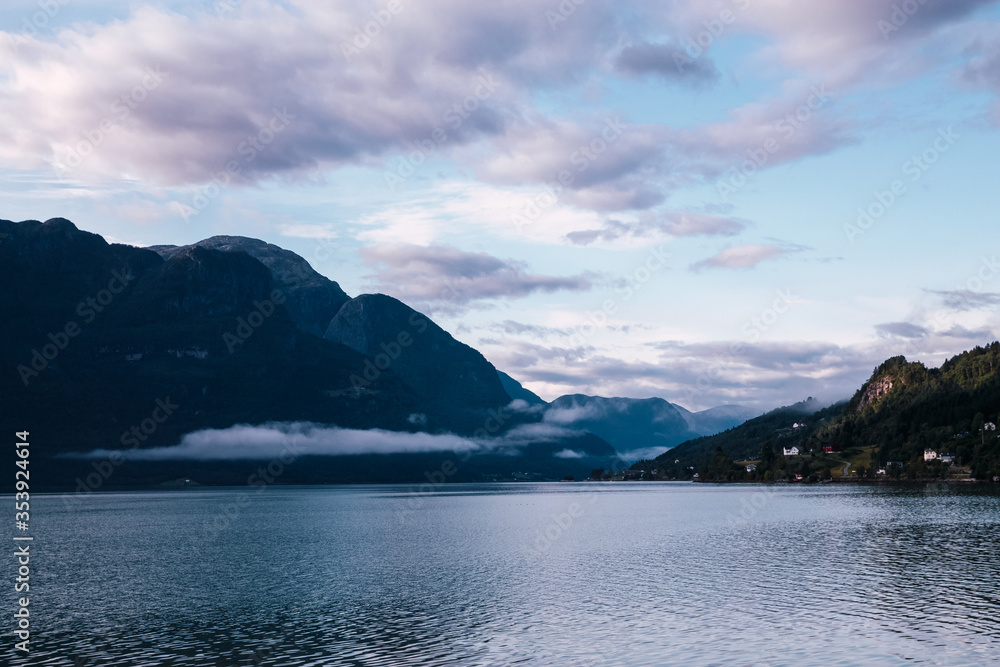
{"x": 751, "y": 467}
{"x": 929, "y": 455}
{"x": 791, "y": 451}
{"x": 946, "y": 458}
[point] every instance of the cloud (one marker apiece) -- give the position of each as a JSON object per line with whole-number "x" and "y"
{"x": 574, "y": 413}
{"x": 696, "y": 375}
{"x": 849, "y": 40}
{"x": 225, "y": 81}
{"x": 901, "y": 330}
{"x": 600, "y": 163}
{"x": 800, "y": 122}
{"x": 982, "y": 69}
{"x": 537, "y": 432}
{"x": 423, "y": 219}
{"x": 245, "y": 442}
{"x": 643, "y": 453}
{"x": 513, "y": 328}
{"x": 671, "y": 223}
{"x": 282, "y": 89}
{"x": 743, "y": 256}
{"x": 686, "y": 223}
{"x": 667, "y": 61}
{"x": 980, "y": 335}
{"x": 454, "y": 278}
{"x": 224, "y": 78}
{"x": 569, "y": 454}
{"x": 276, "y": 439}
{"x": 964, "y": 299}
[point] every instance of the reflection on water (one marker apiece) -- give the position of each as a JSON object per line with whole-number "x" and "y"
{"x": 534, "y": 574}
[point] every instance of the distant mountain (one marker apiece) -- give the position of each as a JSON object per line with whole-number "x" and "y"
{"x": 717, "y": 419}
{"x": 516, "y": 391}
{"x": 631, "y": 424}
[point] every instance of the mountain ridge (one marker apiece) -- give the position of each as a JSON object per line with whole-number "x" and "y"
{"x": 225, "y": 328}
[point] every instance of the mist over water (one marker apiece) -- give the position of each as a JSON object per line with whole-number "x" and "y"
{"x": 532, "y": 574}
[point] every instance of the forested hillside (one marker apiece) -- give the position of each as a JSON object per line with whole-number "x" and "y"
{"x": 904, "y": 409}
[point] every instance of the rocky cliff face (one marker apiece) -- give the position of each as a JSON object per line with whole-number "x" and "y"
{"x": 439, "y": 368}
{"x": 311, "y": 298}
{"x": 876, "y": 389}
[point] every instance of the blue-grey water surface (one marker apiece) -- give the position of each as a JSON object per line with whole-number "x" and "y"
{"x": 528, "y": 574}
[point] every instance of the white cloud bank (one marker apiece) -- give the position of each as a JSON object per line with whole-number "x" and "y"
{"x": 244, "y": 442}
{"x": 266, "y": 441}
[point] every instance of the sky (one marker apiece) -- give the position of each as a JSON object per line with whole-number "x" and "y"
{"x": 713, "y": 202}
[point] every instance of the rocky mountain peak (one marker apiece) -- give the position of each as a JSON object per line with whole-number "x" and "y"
{"x": 312, "y": 298}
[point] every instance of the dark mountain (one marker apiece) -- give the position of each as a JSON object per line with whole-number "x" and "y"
{"x": 311, "y": 298}
{"x": 516, "y": 391}
{"x": 95, "y": 336}
{"x": 441, "y": 370}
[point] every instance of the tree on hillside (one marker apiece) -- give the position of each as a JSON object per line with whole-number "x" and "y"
{"x": 766, "y": 455}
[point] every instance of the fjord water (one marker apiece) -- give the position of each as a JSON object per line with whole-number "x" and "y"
{"x": 528, "y": 574}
